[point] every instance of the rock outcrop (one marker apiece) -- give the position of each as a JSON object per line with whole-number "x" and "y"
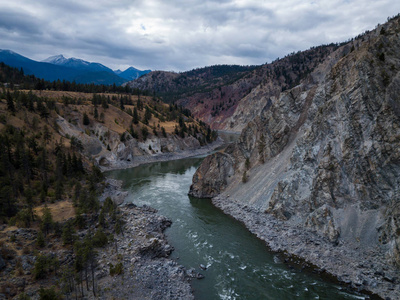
{"x": 105, "y": 146}
{"x": 331, "y": 147}
{"x": 213, "y": 176}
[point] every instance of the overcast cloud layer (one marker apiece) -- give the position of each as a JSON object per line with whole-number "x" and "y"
{"x": 182, "y": 34}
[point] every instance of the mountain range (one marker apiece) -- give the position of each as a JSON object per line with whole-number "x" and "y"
{"x": 71, "y": 69}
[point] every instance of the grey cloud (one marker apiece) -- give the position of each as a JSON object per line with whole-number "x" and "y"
{"x": 184, "y": 34}
{"x": 18, "y": 22}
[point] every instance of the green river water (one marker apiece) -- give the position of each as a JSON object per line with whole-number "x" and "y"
{"x": 239, "y": 266}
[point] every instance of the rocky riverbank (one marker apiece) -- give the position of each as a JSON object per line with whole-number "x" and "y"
{"x": 139, "y": 257}
{"x": 359, "y": 267}
{"x": 145, "y": 159}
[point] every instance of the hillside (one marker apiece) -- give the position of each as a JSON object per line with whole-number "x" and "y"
{"x": 316, "y": 170}
{"x": 218, "y": 94}
{"x": 59, "y": 221}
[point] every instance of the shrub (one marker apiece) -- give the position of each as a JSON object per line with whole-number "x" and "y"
{"x": 49, "y": 294}
{"x": 117, "y": 270}
{"x": 244, "y": 177}
{"x": 100, "y": 238}
{"x": 86, "y": 120}
{"x": 40, "y": 242}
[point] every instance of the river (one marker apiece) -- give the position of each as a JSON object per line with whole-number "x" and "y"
{"x": 239, "y": 266}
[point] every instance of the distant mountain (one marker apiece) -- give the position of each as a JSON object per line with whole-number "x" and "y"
{"x": 76, "y": 63}
{"x": 59, "y": 67}
{"x": 131, "y": 73}
{"x": 41, "y": 70}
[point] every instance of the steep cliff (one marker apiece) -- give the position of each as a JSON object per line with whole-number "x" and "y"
{"x": 324, "y": 157}
{"x": 220, "y": 95}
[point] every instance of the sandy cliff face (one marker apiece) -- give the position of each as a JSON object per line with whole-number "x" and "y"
{"x": 331, "y": 150}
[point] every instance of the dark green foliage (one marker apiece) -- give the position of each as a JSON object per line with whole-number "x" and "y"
{"x": 139, "y": 104}
{"x": 119, "y": 225}
{"x": 146, "y": 116}
{"x": 23, "y": 296}
{"x": 123, "y": 138}
{"x": 44, "y": 265}
{"x": 68, "y": 234}
{"x": 100, "y": 238}
{"x": 163, "y": 132}
{"x": 135, "y": 119}
{"x": 21, "y": 219}
{"x": 145, "y": 133}
{"x": 96, "y": 175}
{"x": 49, "y": 294}
{"x": 10, "y": 102}
{"x": 247, "y": 163}
{"x": 244, "y": 177}
{"x": 117, "y": 269}
{"x": 40, "y": 241}
{"x": 47, "y": 221}
{"x": 109, "y": 205}
{"x": 86, "y": 120}
{"x": 80, "y": 220}
{"x": 133, "y": 132}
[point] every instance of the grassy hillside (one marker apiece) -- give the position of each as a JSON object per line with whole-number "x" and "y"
{"x": 51, "y": 221}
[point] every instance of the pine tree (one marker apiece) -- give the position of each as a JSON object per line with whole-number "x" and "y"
{"x": 86, "y": 120}
{"x": 10, "y": 102}
{"x": 47, "y": 221}
{"x": 40, "y": 241}
{"x": 145, "y": 133}
{"x": 135, "y": 119}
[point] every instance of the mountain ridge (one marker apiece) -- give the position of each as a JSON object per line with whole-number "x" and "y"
{"x": 214, "y": 93}
{"x": 60, "y": 68}
{"x": 319, "y": 162}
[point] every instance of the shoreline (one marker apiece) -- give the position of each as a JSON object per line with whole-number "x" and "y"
{"x": 152, "y": 274}
{"x": 359, "y": 270}
{"x": 143, "y": 252}
{"x": 146, "y": 159}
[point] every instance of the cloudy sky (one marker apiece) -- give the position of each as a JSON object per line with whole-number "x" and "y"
{"x": 181, "y": 35}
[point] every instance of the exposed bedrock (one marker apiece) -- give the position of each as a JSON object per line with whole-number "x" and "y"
{"x": 325, "y": 155}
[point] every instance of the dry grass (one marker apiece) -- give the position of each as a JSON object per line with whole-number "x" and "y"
{"x": 60, "y": 211}
{"x": 169, "y": 126}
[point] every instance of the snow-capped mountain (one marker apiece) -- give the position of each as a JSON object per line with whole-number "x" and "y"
{"x": 76, "y": 63}
{"x": 60, "y": 68}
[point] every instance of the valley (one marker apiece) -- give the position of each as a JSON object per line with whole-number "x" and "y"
{"x": 310, "y": 184}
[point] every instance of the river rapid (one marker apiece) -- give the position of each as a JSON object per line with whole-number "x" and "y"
{"x": 239, "y": 266}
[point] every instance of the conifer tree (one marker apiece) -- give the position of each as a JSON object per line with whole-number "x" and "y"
{"x": 10, "y": 102}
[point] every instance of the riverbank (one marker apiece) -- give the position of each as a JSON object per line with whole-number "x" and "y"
{"x": 145, "y": 159}
{"x": 139, "y": 256}
{"x": 142, "y": 249}
{"x": 361, "y": 270}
